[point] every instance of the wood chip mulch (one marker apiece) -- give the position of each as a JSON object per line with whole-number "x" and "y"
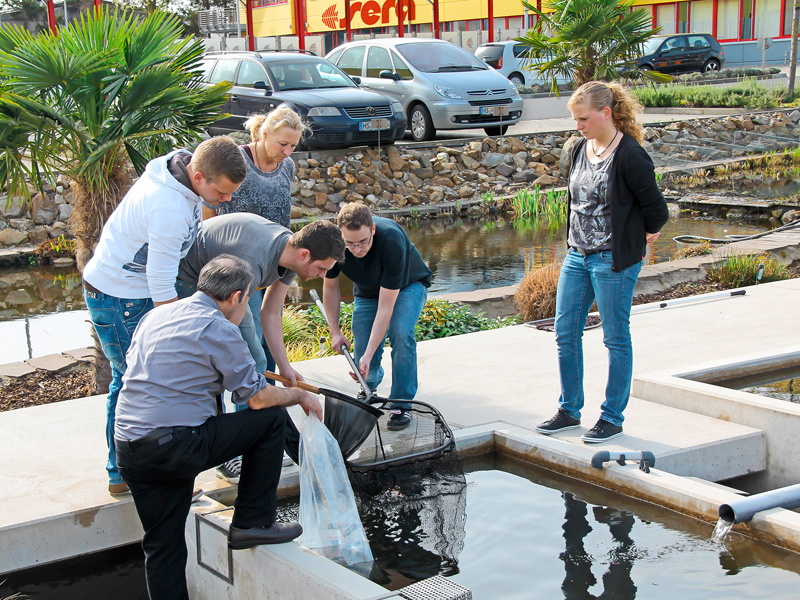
{"x": 43, "y": 387}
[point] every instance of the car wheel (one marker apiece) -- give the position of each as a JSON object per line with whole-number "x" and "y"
{"x": 517, "y": 79}
{"x": 496, "y": 130}
{"x": 711, "y": 66}
{"x": 646, "y": 68}
{"x": 421, "y": 124}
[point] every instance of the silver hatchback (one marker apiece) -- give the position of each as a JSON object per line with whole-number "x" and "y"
{"x": 440, "y": 85}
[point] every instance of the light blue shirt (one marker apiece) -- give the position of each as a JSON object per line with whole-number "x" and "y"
{"x": 182, "y": 355}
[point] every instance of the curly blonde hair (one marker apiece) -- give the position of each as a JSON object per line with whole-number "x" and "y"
{"x": 261, "y": 125}
{"x": 624, "y": 107}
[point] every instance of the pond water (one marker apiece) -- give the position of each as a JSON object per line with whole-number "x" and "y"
{"x": 464, "y": 254}
{"x": 781, "y": 384}
{"x": 517, "y": 532}
{"x": 510, "y": 531}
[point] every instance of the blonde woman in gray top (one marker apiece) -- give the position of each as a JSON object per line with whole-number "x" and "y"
{"x": 264, "y": 192}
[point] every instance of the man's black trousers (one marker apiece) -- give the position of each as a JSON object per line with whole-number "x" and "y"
{"x": 160, "y": 474}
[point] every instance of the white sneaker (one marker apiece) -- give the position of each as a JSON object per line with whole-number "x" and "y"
{"x": 231, "y": 470}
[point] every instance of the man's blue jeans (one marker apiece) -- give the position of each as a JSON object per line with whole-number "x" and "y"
{"x": 583, "y": 280}
{"x": 255, "y": 307}
{"x": 401, "y": 334}
{"x": 115, "y": 320}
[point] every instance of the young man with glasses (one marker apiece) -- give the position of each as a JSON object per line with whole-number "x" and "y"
{"x": 391, "y": 284}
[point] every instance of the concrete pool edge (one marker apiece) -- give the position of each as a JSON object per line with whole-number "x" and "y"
{"x": 291, "y": 571}
{"x": 691, "y": 390}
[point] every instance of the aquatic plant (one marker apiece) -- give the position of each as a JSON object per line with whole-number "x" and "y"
{"x": 737, "y": 270}
{"x": 60, "y": 247}
{"x": 693, "y": 250}
{"x": 535, "y": 205}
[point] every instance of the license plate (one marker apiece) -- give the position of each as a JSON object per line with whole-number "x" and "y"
{"x": 374, "y": 125}
{"x": 495, "y": 111}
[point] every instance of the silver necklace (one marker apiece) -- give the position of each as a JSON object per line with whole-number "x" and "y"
{"x": 600, "y": 154}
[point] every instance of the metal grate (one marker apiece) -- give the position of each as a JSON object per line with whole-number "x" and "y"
{"x": 488, "y": 92}
{"x": 490, "y": 102}
{"x": 363, "y": 112}
{"x": 435, "y": 588}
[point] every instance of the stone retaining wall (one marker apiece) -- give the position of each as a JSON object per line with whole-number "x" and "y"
{"x": 429, "y": 175}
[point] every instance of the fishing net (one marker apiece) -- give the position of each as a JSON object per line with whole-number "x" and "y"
{"x": 428, "y": 437}
{"x": 414, "y": 516}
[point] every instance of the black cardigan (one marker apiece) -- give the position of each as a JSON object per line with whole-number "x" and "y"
{"x": 637, "y": 206}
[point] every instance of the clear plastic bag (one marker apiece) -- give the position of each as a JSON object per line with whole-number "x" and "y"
{"x": 328, "y": 513}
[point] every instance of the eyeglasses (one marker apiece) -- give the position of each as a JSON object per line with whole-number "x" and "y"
{"x": 362, "y": 244}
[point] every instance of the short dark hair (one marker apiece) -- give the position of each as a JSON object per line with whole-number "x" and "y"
{"x": 223, "y": 276}
{"x": 354, "y": 215}
{"x": 220, "y": 157}
{"x": 322, "y": 239}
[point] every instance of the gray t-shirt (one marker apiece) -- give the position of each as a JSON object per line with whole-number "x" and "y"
{"x": 264, "y": 194}
{"x": 252, "y": 238}
{"x": 182, "y": 355}
{"x": 590, "y": 210}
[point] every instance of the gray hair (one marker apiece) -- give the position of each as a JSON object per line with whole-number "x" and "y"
{"x": 225, "y": 275}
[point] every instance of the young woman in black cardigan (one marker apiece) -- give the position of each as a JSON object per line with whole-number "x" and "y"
{"x": 614, "y": 210}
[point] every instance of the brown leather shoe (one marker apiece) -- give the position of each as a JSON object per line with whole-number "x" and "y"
{"x": 118, "y": 489}
{"x": 277, "y": 533}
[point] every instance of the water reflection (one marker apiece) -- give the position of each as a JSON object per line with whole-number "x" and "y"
{"x": 617, "y": 581}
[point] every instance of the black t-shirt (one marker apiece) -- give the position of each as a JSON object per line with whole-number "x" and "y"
{"x": 392, "y": 263}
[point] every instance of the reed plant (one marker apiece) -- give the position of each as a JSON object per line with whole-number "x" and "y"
{"x": 533, "y": 207}
{"x": 738, "y": 270}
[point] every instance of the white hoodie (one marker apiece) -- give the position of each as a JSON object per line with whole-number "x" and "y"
{"x": 145, "y": 237}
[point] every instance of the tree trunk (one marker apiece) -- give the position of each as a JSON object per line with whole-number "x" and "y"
{"x": 793, "y": 61}
{"x": 92, "y": 209}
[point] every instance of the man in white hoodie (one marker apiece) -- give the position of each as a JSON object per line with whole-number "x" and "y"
{"x": 135, "y": 263}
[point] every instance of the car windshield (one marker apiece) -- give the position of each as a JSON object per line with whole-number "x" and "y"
{"x": 490, "y": 52}
{"x": 651, "y": 45}
{"x": 441, "y": 59}
{"x": 307, "y": 75}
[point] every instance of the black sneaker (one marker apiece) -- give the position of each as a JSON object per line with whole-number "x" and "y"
{"x": 561, "y": 422}
{"x": 398, "y": 420}
{"x": 602, "y": 432}
{"x": 231, "y": 470}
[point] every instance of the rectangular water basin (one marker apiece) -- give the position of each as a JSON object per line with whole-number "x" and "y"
{"x": 516, "y": 530}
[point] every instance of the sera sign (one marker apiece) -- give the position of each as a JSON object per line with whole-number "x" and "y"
{"x": 371, "y": 13}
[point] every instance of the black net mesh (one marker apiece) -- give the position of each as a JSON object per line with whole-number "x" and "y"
{"x": 427, "y": 437}
{"x": 414, "y": 516}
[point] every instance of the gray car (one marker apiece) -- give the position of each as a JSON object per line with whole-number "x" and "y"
{"x": 440, "y": 85}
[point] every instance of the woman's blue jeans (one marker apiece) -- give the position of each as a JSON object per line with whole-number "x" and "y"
{"x": 583, "y": 280}
{"x": 402, "y": 337}
{"x": 114, "y": 320}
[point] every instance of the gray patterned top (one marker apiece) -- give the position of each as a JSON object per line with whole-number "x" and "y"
{"x": 264, "y": 194}
{"x": 590, "y": 212}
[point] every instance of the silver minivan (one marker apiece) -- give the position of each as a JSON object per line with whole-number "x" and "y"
{"x": 440, "y": 85}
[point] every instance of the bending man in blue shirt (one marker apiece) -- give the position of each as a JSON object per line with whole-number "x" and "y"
{"x": 391, "y": 286}
{"x": 182, "y": 355}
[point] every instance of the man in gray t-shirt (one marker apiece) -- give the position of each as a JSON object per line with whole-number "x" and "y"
{"x": 275, "y": 256}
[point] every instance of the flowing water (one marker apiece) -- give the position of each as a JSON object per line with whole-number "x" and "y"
{"x": 41, "y": 308}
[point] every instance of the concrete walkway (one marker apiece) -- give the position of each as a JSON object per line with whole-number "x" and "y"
{"x": 53, "y": 499}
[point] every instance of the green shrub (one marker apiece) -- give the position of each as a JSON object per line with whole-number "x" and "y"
{"x": 307, "y": 336}
{"x": 740, "y": 270}
{"x": 747, "y": 93}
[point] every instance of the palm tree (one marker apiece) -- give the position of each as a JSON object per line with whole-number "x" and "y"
{"x": 110, "y": 91}
{"x": 586, "y": 40}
